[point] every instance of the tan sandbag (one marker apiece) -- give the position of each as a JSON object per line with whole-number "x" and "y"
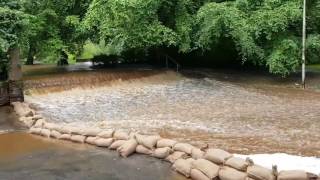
{"x": 78, "y": 138}
{"x": 91, "y": 140}
{"x": 183, "y": 166}
{"x": 116, "y": 144}
{"x": 34, "y": 130}
{"x": 106, "y": 133}
{"x": 143, "y": 150}
{"x": 65, "y": 130}
{"x": 147, "y": 141}
{"x": 260, "y": 173}
{"x": 22, "y": 109}
{"x": 91, "y": 131}
{"x": 37, "y": 117}
{"x": 198, "y": 175}
{"x": 166, "y": 143}
{"x": 120, "y": 135}
{"x": 183, "y": 147}
{"x": 237, "y": 163}
{"x": 76, "y": 130}
{"x": 162, "y": 153}
{"x": 217, "y": 156}
{"x": 208, "y": 168}
{"x": 45, "y": 132}
{"x": 175, "y": 156}
{"x": 227, "y": 173}
{"x": 128, "y": 148}
{"x": 102, "y": 142}
{"x": 197, "y": 153}
{"x": 51, "y": 126}
{"x": 293, "y": 175}
{"x": 55, "y": 134}
{"x": 65, "y": 137}
{"x": 27, "y": 121}
{"x": 40, "y": 123}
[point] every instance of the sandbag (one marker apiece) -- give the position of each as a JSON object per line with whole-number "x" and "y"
{"x": 183, "y": 166}
{"x": 91, "y": 131}
{"x": 65, "y": 137}
{"x": 102, "y": 142}
{"x": 208, "y": 168}
{"x": 196, "y": 153}
{"x": 166, "y": 143}
{"x": 37, "y": 117}
{"x": 162, "y": 153}
{"x": 76, "y": 130}
{"x": 120, "y": 135}
{"x": 27, "y": 121}
{"x": 65, "y": 130}
{"x": 198, "y": 175}
{"x": 116, "y": 144}
{"x": 217, "y": 156}
{"x": 55, "y": 134}
{"x": 175, "y": 156}
{"x": 143, "y": 150}
{"x": 128, "y": 148}
{"x": 50, "y": 126}
{"x": 78, "y": 138}
{"x": 227, "y": 173}
{"x": 106, "y": 133}
{"x": 40, "y": 123}
{"x": 293, "y": 175}
{"x": 91, "y": 140}
{"x": 22, "y": 109}
{"x": 35, "y": 130}
{"x": 237, "y": 163}
{"x": 147, "y": 141}
{"x": 45, "y": 132}
{"x": 183, "y": 147}
{"x": 260, "y": 173}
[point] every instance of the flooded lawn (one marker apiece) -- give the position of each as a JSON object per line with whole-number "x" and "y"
{"x": 233, "y": 115}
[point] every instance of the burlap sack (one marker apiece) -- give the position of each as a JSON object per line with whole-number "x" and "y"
{"x": 55, "y": 134}
{"x": 120, "y": 135}
{"x": 143, "y": 150}
{"x": 196, "y": 153}
{"x": 260, "y": 173}
{"x": 183, "y": 147}
{"x": 162, "y": 153}
{"x": 78, "y": 138}
{"x": 227, "y": 173}
{"x": 116, "y": 144}
{"x": 91, "y": 131}
{"x": 40, "y": 123}
{"x": 106, "y": 134}
{"x": 166, "y": 143}
{"x": 34, "y": 130}
{"x": 65, "y": 137}
{"x": 293, "y": 175}
{"x": 217, "y": 156}
{"x": 91, "y": 140}
{"x": 175, "y": 156}
{"x": 198, "y": 175}
{"x": 102, "y": 142}
{"x": 147, "y": 141}
{"x": 128, "y": 148}
{"x": 183, "y": 166}
{"x": 45, "y": 133}
{"x": 237, "y": 163}
{"x": 208, "y": 168}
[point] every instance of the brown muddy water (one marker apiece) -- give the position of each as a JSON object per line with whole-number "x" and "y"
{"x": 241, "y": 112}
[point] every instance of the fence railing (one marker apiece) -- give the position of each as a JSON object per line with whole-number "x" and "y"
{"x": 175, "y": 62}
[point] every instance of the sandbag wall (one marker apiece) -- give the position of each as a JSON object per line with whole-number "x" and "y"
{"x": 192, "y": 162}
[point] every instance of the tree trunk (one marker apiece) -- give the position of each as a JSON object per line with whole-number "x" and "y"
{"x": 30, "y": 58}
{"x": 15, "y": 73}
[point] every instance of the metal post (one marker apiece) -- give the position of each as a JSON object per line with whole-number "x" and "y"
{"x": 304, "y": 45}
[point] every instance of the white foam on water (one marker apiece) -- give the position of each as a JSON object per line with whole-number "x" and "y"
{"x": 286, "y": 162}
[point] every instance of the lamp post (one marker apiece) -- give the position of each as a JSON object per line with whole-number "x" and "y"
{"x": 304, "y": 45}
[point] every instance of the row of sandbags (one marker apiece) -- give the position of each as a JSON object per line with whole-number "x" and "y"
{"x": 192, "y": 162}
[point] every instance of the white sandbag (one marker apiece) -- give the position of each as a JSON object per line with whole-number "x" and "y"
{"x": 65, "y": 137}
{"x": 197, "y": 153}
{"x": 237, "y": 163}
{"x": 208, "y": 168}
{"x": 120, "y": 135}
{"x": 27, "y": 121}
{"x": 106, "y": 133}
{"x": 128, "y": 148}
{"x": 22, "y": 109}
{"x": 293, "y": 175}
{"x": 166, "y": 143}
{"x": 76, "y": 130}
{"x": 65, "y": 130}
{"x": 217, "y": 156}
{"x": 55, "y": 134}
{"x": 260, "y": 173}
{"x": 147, "y": 141}
{"x": 45, "y": 132}
{"x": 116, "y": 144}
{"x": 51, "y": 126}
{"x": 175, "y": 156}
{"x": 143, "y": 150}
{"x": 78, "y": 138}
{"x": 91, "y": 131}
{"x": 102, "y": 142}
{"x": 91, "y": 140}
{"x": 183, "y": 147}
{"x": 227, "y": 173}
{"x": 40, "y": 123}
{"x": 162, "y": 153}
{"x": 34, "y": 130}
{"x": 37, "y": 117}
{"x": 198, "y": 175}
{"x": 183, "y": 166}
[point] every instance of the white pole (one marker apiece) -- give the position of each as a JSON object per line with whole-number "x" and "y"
{"x": 304, "y": 45}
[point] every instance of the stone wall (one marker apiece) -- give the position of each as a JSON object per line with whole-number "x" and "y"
{"x": 4, "y": 94}
{"x": 11, "y": 92}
